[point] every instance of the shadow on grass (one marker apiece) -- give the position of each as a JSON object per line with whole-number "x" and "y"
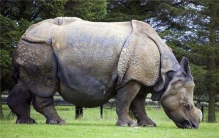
{"x": 91, "y": 124}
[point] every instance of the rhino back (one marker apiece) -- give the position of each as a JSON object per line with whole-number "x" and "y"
{"x": 44, "y": 30}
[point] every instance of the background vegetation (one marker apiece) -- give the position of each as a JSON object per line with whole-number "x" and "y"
{"x": 191, "y": 28}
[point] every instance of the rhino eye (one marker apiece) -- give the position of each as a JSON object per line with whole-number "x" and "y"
{"x": 188, "y": 106}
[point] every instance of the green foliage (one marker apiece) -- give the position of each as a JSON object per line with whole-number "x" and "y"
{"x": 32, "y": 10}
{"x": 128, "y": 10}
{"x": 51, "y": 9}
{"x": 199, "y": 76}
{"x": 5, "y": 74}
{"x": 191, "y": 32}
{"x": 8, "y": 31}
{"x": 88, "y": 10}
{"x": 5, "y": 61}
{"x": 10, "y": 34}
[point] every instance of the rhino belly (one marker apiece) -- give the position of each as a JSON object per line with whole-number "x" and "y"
{"x": 86, "y": 97}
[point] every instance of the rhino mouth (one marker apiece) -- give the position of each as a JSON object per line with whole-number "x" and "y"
{"x": 187, "y": 124}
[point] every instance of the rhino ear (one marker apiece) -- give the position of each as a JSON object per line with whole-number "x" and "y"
{"x": 184, "y": 63}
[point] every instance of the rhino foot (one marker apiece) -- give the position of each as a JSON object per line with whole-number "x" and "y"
{"x": 25, "y": 120}
{"x": 147, "y": 123}
{"x": 56, "y": 121}
{"x": 124, "y": 123}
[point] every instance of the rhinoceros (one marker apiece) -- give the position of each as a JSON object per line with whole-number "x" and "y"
{"x": 88, "y": 63}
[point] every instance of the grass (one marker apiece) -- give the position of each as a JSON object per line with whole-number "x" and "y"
{"x": 92, "y": 126}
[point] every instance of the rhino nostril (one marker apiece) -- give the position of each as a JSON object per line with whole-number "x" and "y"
{"x": 194, "y": 125}
{"x": 187, "y": 124}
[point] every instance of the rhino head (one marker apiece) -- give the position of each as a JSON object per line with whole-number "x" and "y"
{"x": 177, "y": 99}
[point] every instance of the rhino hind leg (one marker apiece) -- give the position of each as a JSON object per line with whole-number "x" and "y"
{"x": 138, "y": 109}
{"x": 19, "y": 101}
{"x": 124, "y": 97}
{"x": 45, "y": 106}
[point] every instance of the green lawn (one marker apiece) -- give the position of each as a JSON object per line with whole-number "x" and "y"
{"x": 92, "y": 126}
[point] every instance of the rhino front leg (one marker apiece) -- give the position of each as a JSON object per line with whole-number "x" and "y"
{"x": 124, "y": 97}
{"x": 138, "y": 109}
{"x": 19, "y": 101}
{"x": 45, "y": 106}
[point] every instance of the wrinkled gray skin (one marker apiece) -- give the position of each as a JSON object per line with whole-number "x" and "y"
{"x": 88, "y": 63}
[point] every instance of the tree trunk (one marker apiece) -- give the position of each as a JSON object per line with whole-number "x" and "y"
{"x": 212, "y": 87}
{"x": 1, "y": 111}
{"x": 213, "y": 7}
{"x": 211, "y": 108}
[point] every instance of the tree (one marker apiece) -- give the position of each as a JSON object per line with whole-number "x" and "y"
{"x": 213, "y": 49}
{"x": 32, "y": 10}
{"x": 127, "y": 10}
{"x": 6, "y": 40}
{"x": 88, "y": 10}
{"x": 193, "y": 34}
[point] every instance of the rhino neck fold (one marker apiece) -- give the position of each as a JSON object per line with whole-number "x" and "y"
{"x": 168, "y": 62}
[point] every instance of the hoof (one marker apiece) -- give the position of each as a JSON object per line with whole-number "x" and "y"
{"x": 55, "y": 121}
{"x": 25, "y": 121}
{"x": 125, "y": 123}
{"x": 147, "y": 123}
